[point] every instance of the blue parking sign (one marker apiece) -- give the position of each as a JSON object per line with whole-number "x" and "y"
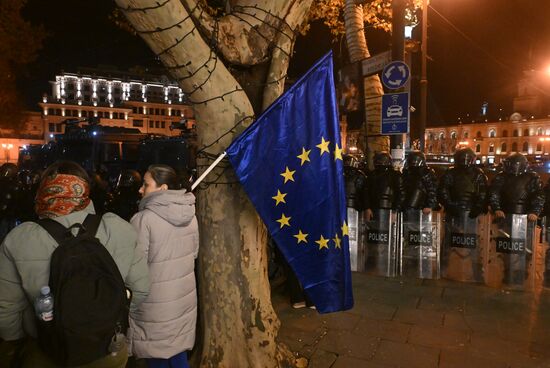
{"x": 395, "y": 113}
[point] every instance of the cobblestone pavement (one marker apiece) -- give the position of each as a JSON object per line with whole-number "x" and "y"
{"x": 422, "y": 323}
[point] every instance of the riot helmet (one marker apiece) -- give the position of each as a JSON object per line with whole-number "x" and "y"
{"x": 415, "y": 159}
{"x": 382, "y": 160}
{"x": 516, "y": 164}
{"x": 8, "y": 171}
{"x": 465, "y": 157}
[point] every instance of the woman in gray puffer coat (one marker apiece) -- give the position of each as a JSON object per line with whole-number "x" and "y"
{"x": 162, "y": 329}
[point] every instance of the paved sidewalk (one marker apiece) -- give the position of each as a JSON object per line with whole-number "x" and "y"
{"x": 422, "y": 323}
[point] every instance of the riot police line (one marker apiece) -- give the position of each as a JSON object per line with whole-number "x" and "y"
{"x": 460, "y": 226}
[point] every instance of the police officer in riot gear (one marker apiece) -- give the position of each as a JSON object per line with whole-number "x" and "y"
{"x": 126, "y": 196}
{"x": 420, "y": 184}
{"x": 383, "y": 186}
{"x": 463, "y": 193}
{"x": 355, "y": 181}
{"x": 463, "y": 187}
{"x": 516, "y": 190}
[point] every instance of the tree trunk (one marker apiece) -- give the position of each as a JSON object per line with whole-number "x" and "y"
{"x": 238, "y": 325}
{"x": 358, "y": 50}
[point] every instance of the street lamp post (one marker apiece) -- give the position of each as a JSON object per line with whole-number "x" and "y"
{"x": 423, "y": 76}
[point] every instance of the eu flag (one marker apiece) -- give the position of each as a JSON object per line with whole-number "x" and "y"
{"x": 289, "y": 162}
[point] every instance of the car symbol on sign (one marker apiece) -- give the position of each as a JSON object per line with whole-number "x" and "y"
{"x": 394, "y": 110}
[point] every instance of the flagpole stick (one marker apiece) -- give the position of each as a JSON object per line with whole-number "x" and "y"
{"x": 210, "y": 168}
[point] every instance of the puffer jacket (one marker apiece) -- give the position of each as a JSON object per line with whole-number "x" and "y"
{"x": 25, "y": 267}
{"x": 164, "y": 324}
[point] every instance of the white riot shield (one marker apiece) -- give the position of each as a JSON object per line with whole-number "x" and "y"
{"x": 510, "y": 252}
{"x": 356, "y": 246}
{"x": 380, "y": 238}
{"x": 461, "y": 258}
{"x": 420, "y": 244}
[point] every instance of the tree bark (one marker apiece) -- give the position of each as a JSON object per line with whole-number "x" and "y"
{"x": 358, "y": 50}
{"x": 238, "y": 324}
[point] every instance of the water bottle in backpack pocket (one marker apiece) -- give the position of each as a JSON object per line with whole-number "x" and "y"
{"x": 91, "y": 306}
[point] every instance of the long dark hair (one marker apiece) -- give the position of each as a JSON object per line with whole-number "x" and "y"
{"x": 164, "y": 174}
{"x": 68, "y": 168}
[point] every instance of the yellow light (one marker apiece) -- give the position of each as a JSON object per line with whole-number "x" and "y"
{"x": 463, "y": 143}
{"x": 547, "y": 70}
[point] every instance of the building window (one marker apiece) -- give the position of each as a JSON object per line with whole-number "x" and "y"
{"x": 514, "y": 147}
{"x": 84, "y": 114}
{"x": 539, "y": 147}
{"x": 491, "y": 148}
{"x": 58, "y": 112}
{"x": 503, "y": 147}
{"x": 157, "y": 124}
{"x": 157, "y": 112}
{"x": 430, "y": 136}
{"x": 525, "y": 147}
{"x": 478, "y": 148}
{"x": 492, "y": 133}
{"x": 51, "y": 127}
{"x": 163, "y": 124}
{"x": 151, "y": 124}
{"x": 453, "y": 135}
{"x": 478, "y": 135}
{"x": 51, "y": 111}
{"x": 539, "y": 131}
{"x": 466, "y": 135}
{"x": 441, "y": 135}
{"x": 140, "y": 110}
{"x": 58, "y": 128}
{"x": 134, "y": 109}
{"x": 137, "y": 123}
{"x": 74, "y": 112}
{"x": 430, "y": 148}
{"x": 526, "y": 132}
{"x": 505, "y": 133}
{"x": 163, "y": 111}
{"x": 515, "y": 133}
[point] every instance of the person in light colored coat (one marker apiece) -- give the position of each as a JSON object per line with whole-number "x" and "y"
{"x": 25, "y": 257}
{"x": 162, "y": 329}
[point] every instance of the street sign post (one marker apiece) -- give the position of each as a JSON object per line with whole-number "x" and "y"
{"x": 395, "y": 75}
{"x": 395, "y": 113}
{"x": 375, "y": 63}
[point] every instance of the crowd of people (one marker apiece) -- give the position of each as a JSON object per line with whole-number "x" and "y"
{"x": 133, "y": 295}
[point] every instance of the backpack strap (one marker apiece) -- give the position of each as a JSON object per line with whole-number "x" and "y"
{"x": 91, "y": 224}
{"x": 54, "y": 228}
{"x": 60, "y": 233}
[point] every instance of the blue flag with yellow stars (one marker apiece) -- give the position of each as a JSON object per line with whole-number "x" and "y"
{"x": 289, "y": 162}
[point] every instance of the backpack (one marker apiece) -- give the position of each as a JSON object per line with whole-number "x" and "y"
{"x": 90, "y": 300}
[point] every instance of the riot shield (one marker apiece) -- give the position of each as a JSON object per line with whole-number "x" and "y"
{"x": 510, "y": 252}
{"x": 356, "y": 247}
{"x": 380, "y": 239}
{"x": 420, "y": 244}
{"x": 461, "y": 258}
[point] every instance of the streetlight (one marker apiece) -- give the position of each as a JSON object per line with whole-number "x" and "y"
{"x": 423, "y": 75}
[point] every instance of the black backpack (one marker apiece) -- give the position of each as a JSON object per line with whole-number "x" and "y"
{"x": 90, "y": 301}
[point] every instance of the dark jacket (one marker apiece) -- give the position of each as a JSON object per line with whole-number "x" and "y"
{"x": 521, "y": 194}
{"x": 463, "y": 189}
{"x": 383, "y": 189}
{"x": 420, "y": 188}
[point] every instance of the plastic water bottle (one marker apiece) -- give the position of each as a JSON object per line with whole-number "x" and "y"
{"x": 44, "y": 305}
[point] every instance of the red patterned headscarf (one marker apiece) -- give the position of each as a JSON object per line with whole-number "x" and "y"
{"x": 60, "y": 195}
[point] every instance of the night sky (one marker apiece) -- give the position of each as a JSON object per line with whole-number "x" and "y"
{"x": 481, "y": 60}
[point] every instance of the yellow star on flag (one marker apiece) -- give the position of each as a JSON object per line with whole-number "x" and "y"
{"x": 288, "y": 175}
{"x": 345, "y": 229}
{"x": 337, "y": 241}
{"x": 323, "y": 243}
{"x": 301, "y": 237}
{"x": 280, "y": 197}
{"x": 337, "y": 153}
{"x": 284, "y": 220}
{"x": 304, "y": 156}
{"x": 323, "y": 146}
